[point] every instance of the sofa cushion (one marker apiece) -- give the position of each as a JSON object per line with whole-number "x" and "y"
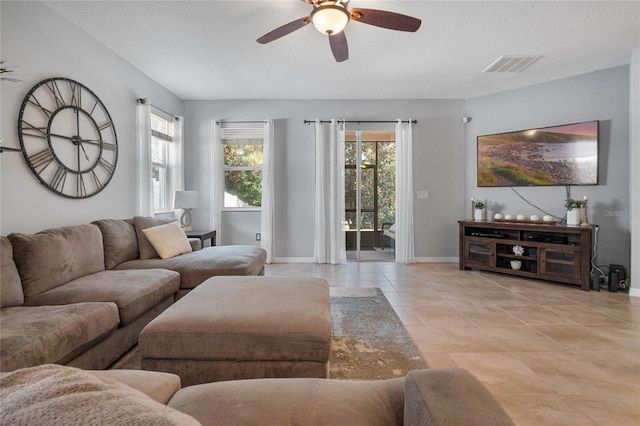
{"x": 134, "y": 291}
{"x": 120, "y": 241}
{"x": 53, "y": 257}
{"x": 144, "y": 246}
{"x": 53, "y": 394}
{"x": 197, "y": 266}
{"x": 451, "y": 396}
{"x": 52, "y": 334}
{"x": 293, "y": 402}
{"x": 169, "y": 240}
{"x": 10, "y": 286}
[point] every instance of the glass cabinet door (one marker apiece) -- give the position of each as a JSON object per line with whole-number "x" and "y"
{"x": 480, "y": 253}
{"x": 563, "y": 262}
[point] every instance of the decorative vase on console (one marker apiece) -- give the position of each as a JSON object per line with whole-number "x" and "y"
{"x": 479, "y": 212}
{"x": 518, "y": 251}
{"x": 574, "y": 209}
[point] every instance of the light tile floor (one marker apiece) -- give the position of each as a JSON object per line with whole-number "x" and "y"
{"x": 551, "y": 354}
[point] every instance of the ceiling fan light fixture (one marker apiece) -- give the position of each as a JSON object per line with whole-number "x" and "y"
{"x": 330, "y": 17}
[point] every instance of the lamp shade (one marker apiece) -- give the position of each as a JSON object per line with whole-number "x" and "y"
{"x": 185, "y": 200}
{"x": 330, "y": 18}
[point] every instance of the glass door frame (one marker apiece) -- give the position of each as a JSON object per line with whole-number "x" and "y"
{"x": 372, "y": 170}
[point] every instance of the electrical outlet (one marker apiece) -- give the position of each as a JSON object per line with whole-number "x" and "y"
{"x": 258, "y": 236}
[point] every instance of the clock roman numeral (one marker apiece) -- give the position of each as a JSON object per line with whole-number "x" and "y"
{"x": 96, "y": 179}
{"x": 93, "y": 108}
{"x": 55, "y": 91}
{"x": 109, "y": 146}
{"x": 81, "y": 189}
{"x": 105, "y": 126}
{"x": 76, "y": 94}
{"x": 106, "y": 165}
{"x": 41, "y": 159}
{"x": 31, "y": 130}
{"x": 36, "y": 103}
{"x": 59, "y": 178}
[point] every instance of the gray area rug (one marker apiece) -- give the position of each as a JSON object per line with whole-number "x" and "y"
{"x": 369, "y": 341}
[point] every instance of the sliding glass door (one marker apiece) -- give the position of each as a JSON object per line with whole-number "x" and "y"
{"x": 369, "y": 194}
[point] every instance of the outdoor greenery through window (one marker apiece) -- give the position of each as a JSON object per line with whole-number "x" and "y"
{"x": 378, "y": 186}
{"x": 161, "y": 136}
{"x": 242, "y": 174}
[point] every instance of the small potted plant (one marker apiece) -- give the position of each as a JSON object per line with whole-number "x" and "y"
{"x": 573, "y": 211}
{"x": 518, "y": 251}
{"x": 478, "y": 210}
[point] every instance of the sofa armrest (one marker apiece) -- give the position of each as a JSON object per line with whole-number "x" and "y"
{"x": 196, "y": 244}
{"x": 450, "y": 396}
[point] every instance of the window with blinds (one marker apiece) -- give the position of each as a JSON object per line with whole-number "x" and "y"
{"x": 161, "y": 136}
{"x": 243, "y": 149}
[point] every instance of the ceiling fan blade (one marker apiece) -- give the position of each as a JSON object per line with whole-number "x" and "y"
{"x": 385, "y": 19}
{"x": 284, "y": 30}
{"x": 339, "y": 46}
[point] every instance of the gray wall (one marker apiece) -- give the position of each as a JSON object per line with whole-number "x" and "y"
{"x": 41, "y": 44}
{"x": 601, "y": 95}
{"x": 438, "y": 166}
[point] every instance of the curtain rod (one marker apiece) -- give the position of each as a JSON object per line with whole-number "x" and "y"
{"x": 362, "y": 121}
{"x": 240, "y": 121}
{"x": 144, "y": 101}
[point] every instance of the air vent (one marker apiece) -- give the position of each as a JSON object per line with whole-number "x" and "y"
{"x": 511, "y": 63}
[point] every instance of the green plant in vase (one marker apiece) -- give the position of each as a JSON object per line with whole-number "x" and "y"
{"x": 573, "y": 213}
{"x": 572, "y": 204}
{"x": 478, "y": 210}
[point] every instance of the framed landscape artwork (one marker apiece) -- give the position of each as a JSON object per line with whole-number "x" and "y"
{"x": 559, "y": 155}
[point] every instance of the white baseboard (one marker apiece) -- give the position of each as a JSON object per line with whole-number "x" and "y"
{"x": 418, "y": 260}
{"x": 437, "y": 259}
{"x": 293, "y": 260}
{"x": 634, "y": 292}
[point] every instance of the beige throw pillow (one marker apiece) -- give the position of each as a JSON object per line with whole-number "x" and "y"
{"x": 144, "y": 246}
{"x": 169, "y": 240}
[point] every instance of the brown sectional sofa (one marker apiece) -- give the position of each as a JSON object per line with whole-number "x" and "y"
{"x": 125, "y": 248}
{"x": 80, "y": 295}
{"x": 450, "y": 396}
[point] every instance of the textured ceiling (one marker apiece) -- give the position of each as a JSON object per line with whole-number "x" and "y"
{"x": 208, "y": 49}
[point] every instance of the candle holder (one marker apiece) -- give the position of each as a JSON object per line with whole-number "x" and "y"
{"x": 585, "y": 215}
{"x": 473, "y": 210}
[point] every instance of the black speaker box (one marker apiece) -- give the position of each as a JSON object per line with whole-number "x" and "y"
{"x": 617, "y": 273}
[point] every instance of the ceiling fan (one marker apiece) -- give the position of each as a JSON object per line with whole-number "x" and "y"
{"x": 331, "y": 18}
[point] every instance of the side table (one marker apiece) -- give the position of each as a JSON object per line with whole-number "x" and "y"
{"x": 203, "y": 235}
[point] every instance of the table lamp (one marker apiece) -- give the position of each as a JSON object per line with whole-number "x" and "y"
{"x": 186, "y": 200}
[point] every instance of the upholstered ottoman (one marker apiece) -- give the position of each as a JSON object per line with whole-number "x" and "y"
{"x": 237, "y": 327}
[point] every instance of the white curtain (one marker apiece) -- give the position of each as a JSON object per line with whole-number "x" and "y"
{"x": 217, "y": 179}
{"x": 634, "y": 154}
{"x": 267, "y": 218}
{"x": 404, "y": 193}
{"x": 329, "y": 244}
{"x": 176, "y": 161}
{"x": 144, "y": 186}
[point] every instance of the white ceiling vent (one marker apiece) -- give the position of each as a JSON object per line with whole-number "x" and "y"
{"x": 511, "y": 63}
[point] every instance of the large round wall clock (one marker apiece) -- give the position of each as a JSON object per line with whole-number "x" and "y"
{"x": 68, "y": 138}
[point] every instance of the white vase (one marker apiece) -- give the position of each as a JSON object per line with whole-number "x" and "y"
{"x": 516, "y": 264}
{"x": 479, "y": 214}
{"x": 573, "y": 216}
